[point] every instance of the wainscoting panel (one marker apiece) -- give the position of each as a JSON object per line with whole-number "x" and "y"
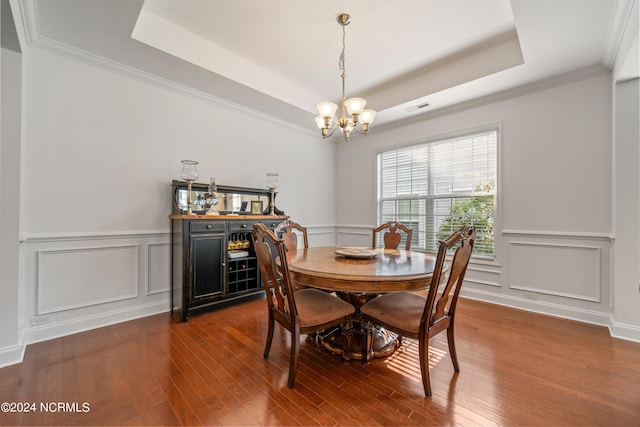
{"x": 159, "y": 268}
{"x": 353, "y": 236}
{"x": 559, "y": 274}
{"x": 564, "y": 270}
{"x": 77, "y": 277}
{"x": 319, "y": 236}
{"x": 74, "y": 282}
{"x": 71, "y": 283}
{"x": 482, "y": 276}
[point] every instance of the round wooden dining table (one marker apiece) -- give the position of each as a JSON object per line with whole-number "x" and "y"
{"x": 389, "y": 270}
{"x": 358, "y": 279}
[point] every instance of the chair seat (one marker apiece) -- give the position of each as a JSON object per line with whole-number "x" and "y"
{"x": 402, "y": 310}
{"x": 316, "y": 307}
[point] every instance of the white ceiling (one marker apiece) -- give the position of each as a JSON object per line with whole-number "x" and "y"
{"x": 280, "y": 57}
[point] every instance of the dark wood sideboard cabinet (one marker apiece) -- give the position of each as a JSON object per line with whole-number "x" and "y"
{"x": 212, "y": 257}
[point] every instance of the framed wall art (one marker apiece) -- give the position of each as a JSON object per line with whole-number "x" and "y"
{"x": 256, "y": 207}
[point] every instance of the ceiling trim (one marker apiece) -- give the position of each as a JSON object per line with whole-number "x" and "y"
{"x": 620, "y": 20}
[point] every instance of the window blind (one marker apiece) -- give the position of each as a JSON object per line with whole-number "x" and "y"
{"x": 436, "y": 187}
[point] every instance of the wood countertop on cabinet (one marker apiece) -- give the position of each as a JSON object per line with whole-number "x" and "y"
{"x": 223, "y": 217}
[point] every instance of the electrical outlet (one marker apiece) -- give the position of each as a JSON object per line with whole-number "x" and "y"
{"x": 38, "y": 321}
{"x": 528, "y": 295}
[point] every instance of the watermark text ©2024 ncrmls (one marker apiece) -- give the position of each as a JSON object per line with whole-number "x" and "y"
{"x": 78, "y": 407}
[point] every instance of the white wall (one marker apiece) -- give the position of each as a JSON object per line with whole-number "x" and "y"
{"x": 554, "y": 225}
{"x": 626, "y": 273}
{"x": 10, "y": 76}
{"x": 100, "y": 151}
{"x": 625, "y": 319}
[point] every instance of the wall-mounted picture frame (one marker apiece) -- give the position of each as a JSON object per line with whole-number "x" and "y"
{"x": 256, "y": 207}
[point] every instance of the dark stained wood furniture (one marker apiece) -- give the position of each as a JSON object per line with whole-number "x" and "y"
{"x": 290, "y": 238}
{"x": 212, "y": 258}
{"x": 302, "y": 312}
{"x": 393, "y": 270}
{"x": 204, "y": 269}
{"x": 391, "y": 237}
{"x": 413, "y": 316}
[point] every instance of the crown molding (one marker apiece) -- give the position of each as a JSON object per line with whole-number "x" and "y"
{"x": 618, "y": 26}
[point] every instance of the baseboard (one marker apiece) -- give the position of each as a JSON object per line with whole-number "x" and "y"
{"x": 556, "y": 310}
{"x": 55, "y": 330}
{"x": 12, "y": 355}
{"x": 623, "y": 331}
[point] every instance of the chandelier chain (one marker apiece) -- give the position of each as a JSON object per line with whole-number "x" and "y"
{"x": 341, "y": 61}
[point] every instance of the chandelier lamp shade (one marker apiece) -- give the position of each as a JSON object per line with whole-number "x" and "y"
{"x": 353, "y": 111}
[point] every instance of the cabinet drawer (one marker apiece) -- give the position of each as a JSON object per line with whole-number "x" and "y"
{"x": 235, "y": 226}
{"x": 271, "y": 223}
{"x": 204, "y": 226}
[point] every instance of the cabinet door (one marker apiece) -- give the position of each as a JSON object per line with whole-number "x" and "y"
{"x": 207, "y": 258}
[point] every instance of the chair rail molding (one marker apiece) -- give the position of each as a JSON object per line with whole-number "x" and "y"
{"x": 559, "y": 234}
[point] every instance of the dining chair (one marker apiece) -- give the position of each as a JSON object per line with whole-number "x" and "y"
{"x": 410, "y": 315}
{"x": 289, "y": 237}
{"x": 303, "y": 312}
{"x": 392, "y": 238}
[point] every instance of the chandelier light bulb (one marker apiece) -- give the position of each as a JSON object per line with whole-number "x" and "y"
{"x": 355, "y": 105}
{"x": 367, "y": 116}
{"x": 327, "y": 109}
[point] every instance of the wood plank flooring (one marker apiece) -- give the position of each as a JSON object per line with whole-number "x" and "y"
{"x": 517, "y": 368}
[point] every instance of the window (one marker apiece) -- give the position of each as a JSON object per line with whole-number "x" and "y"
{"x": 436, "y": 187}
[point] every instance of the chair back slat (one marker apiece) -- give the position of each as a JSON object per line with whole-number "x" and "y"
{"x": 392, "y": 238}
{"x": 290, "y": 238}
{"x": 275, "y": 278}
{"x": 442, "y": 304}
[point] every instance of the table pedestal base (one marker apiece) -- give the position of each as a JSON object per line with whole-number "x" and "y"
{"x": 351, "y": 340}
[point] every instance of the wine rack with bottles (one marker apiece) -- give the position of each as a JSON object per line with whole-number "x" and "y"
{"x": 242, "y": 266}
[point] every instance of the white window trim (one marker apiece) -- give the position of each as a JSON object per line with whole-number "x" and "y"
{"x": 497, "y": 262}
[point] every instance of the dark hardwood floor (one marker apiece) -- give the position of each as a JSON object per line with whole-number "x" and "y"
{"x": 517, "y": 368}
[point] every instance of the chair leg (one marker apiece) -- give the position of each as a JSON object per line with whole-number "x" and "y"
{"x": 267, "y": 347}
{"x": 295, "y": 352}
{"x": 424, "y": 367}
{"x": 452, "y": 348}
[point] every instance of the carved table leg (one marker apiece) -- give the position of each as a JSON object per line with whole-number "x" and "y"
{"x": 367, "y": 333}
{"x": 348, "y": 332}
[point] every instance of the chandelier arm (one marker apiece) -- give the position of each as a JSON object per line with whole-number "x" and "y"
{"x": 333, "y": 129}
{"x": 361, "y": 132}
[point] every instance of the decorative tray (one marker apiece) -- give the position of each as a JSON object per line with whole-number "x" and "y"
{"x": 357, "y": 253}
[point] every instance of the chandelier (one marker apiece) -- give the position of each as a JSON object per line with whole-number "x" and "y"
{"x": 354, "y": 106}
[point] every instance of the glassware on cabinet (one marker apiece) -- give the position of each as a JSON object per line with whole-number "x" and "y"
{"x": 272, "y": 185}
{"x": 212, "y": 197}
{"x": 189, "y": 173}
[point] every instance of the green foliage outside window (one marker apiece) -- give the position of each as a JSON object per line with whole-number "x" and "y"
{"x": 477, "y": 211}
